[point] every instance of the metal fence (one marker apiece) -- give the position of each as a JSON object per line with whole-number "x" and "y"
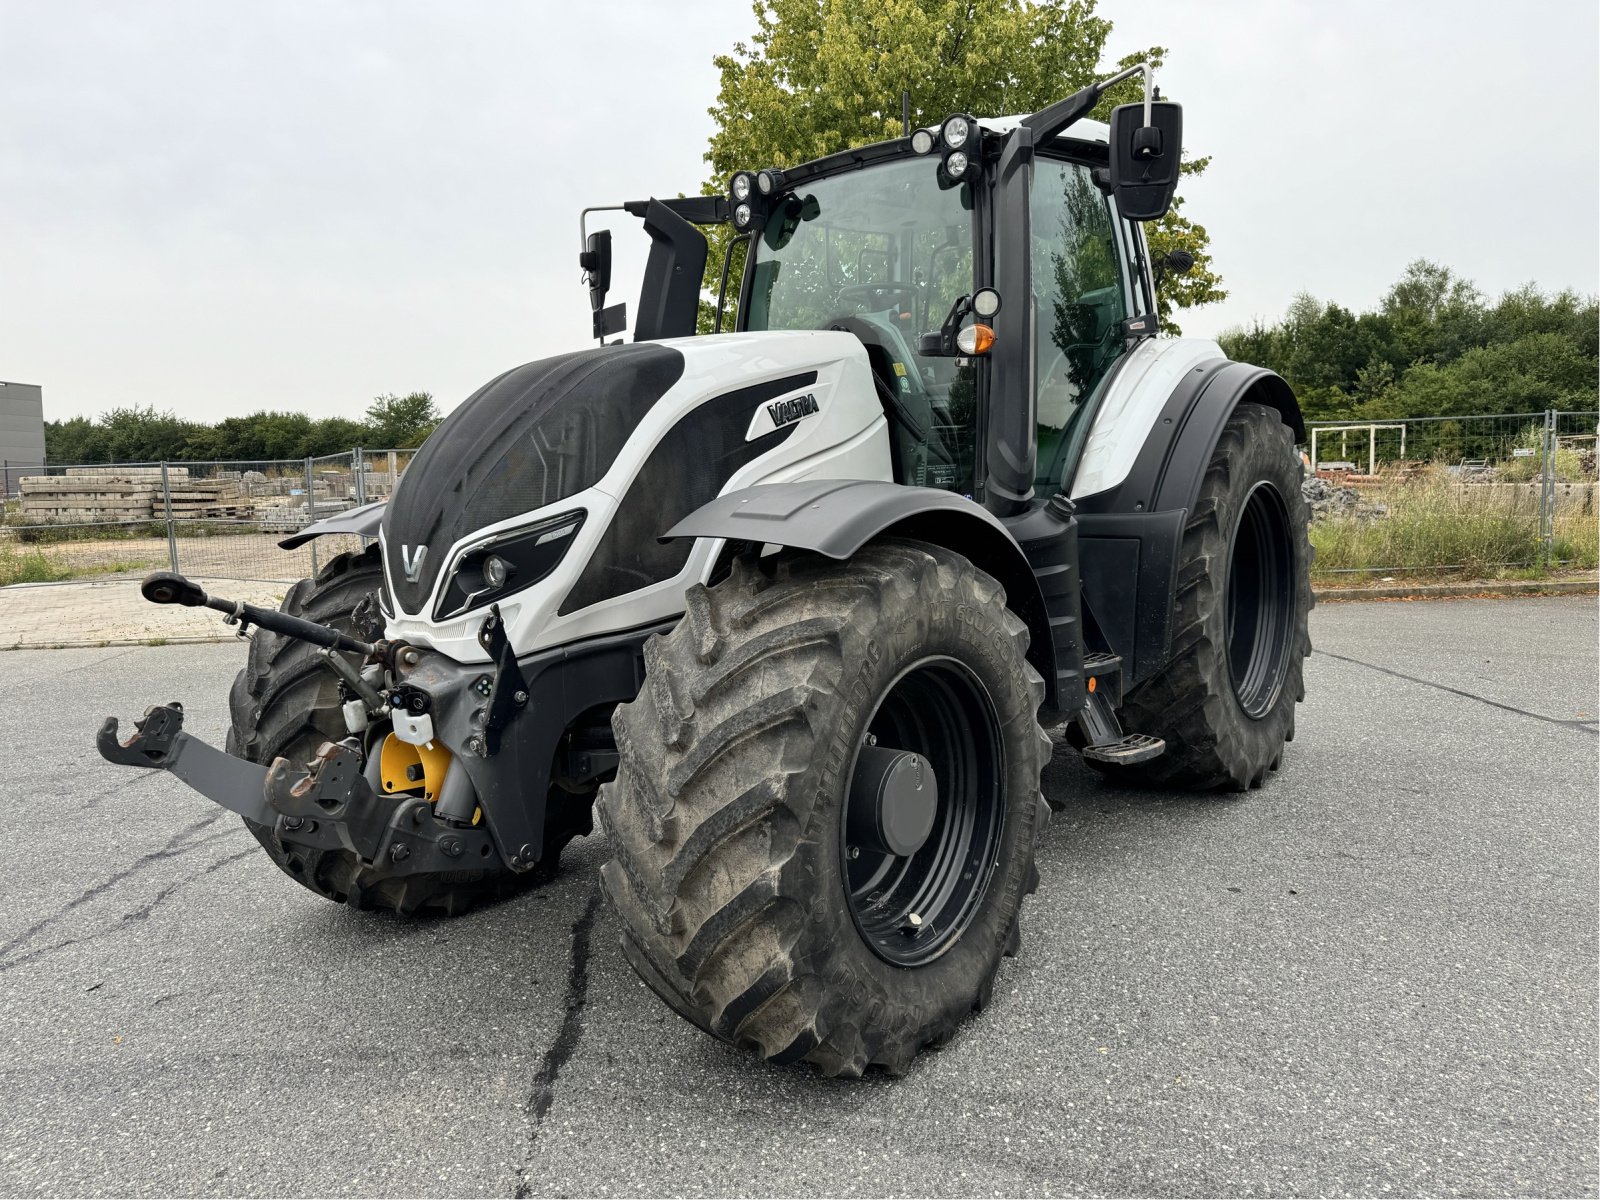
{"x": 1463, "y": 495}
{"x": 1457, "y": 495}
{"x": 218, "y": 520}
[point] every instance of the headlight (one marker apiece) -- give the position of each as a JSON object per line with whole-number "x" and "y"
{"x": 739, "y": 187}
{"x": 496, "y": 571}
{"x": 509, "y": 563}
{"x": 741, "y": 216}
{"x": 956, "y": 131}
{"x": 956, "y": 165}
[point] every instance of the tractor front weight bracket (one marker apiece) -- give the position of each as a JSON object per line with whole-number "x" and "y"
{"x": 329, "y": 807}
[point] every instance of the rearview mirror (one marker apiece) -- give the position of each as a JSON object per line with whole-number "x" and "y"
{"x": 596, "y": 263}
{"x": 1145, "y": 158}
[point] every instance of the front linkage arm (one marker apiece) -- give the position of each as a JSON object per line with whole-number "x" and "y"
{"x": 167, "y": 587}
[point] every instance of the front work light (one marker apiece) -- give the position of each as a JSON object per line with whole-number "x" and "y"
{"x": 922, "y": 141}
{"x": 957, "y": 131}
{"x": 769, "y": 182}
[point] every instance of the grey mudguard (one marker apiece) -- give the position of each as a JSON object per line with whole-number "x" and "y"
{"x": 363, "y": 521}
{"x": 835, "y": 517}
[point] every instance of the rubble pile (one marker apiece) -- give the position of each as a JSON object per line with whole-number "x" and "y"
{"x": 1330, "y": 500}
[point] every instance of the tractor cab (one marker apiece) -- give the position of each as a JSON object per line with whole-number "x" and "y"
{"x": 891, "y": 242}
{"x": 890, "y": 250}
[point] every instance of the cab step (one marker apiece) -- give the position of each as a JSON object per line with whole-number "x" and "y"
{"x": 1130, "y": 748}
{"x": 1106, "y": 672}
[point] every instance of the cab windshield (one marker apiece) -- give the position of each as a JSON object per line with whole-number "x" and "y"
{"x": 881, "y": 252}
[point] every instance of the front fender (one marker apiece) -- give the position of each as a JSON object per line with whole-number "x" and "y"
{"x": 363, "y": 521}
{"x": 836, "y": 517}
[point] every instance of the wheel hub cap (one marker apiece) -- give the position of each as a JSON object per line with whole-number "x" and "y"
{"x": 893, "y": 800}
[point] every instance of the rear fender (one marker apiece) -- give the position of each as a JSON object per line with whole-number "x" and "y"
{"x": 835, "y": 517}
{"x": 1131, "y": 535}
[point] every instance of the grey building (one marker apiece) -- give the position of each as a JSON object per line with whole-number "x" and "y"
{"x": 21, "y": 430}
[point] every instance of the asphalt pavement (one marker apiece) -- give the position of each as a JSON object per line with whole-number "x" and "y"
{"x": 1375, "y": 976}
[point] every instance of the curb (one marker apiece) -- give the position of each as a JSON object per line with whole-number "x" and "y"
{"x": 113, "y": 643}
{"x": 1444, "y": 591}
{"x": 1484, "y": 589}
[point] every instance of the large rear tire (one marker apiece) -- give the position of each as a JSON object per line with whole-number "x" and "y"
{"x": 286, "y": 703}
{"x": 1225, "y": 702}
{"x": 747, "y": 897}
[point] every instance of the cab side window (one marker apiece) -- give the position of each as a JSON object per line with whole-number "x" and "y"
{"x": 1079, "y": 302}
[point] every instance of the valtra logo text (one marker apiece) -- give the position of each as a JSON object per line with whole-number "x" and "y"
{"x": 786, "y": 412}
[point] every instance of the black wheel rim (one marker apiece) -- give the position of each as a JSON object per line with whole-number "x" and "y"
{"x": 1260, "y": 600}
{"x": 911, "y": 909}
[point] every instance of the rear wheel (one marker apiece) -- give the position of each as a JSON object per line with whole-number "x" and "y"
{"x": 823, "y": 822}
{"x": 286, "y": 702}
{"x": 1240, "y": 636}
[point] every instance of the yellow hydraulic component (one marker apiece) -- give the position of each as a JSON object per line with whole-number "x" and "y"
{"x": 397, "y": 761}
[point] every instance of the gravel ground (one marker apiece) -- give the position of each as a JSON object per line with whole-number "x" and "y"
{"x": 1377, "y": 975}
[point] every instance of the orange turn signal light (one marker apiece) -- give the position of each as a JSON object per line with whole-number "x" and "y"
{"x": 975, "y": 339}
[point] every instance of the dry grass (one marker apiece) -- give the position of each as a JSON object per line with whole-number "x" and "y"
{"x": 1435, "y": 523}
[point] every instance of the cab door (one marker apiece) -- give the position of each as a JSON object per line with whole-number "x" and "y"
{"x": 1082, "y": 294}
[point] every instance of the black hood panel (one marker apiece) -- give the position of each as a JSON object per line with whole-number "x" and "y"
{"x": 537, "y": 434}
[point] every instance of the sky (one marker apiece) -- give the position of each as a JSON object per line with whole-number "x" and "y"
{"x": 218, "y": 208}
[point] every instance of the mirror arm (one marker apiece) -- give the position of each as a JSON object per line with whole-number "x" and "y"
{"x": 1054, "y": 118}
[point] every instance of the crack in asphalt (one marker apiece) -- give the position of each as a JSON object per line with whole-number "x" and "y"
{"x": 138, "y": 914}
{"x": 175, "y": 846}
{"x": 543, "y": 1092}
{"x": 100, "y": 798}
{"x": 1586, "y": 726}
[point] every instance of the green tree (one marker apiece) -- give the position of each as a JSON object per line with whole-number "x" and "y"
{"x": 1432, "y": 347}
{"x": 75, "y": 440}
{"x": 821, "y": 76}
{"x": 399, "y": 422}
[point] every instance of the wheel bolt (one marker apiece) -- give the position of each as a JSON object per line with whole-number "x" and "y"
{"x": 913, "y": 925}
{"x": 855, "y": 852}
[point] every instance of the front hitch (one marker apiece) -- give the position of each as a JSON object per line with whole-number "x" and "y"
{"x": 329, "y": 807}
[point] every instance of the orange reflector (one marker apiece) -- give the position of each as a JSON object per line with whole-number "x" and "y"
{"x": 1091, "y": 683}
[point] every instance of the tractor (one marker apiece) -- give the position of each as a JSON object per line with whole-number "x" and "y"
{"x": 791, "y": 607}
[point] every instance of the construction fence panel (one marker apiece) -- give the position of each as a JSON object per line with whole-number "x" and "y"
{"x": 1466, "y": 495}
{"x": 209, "y": 520}
{"x": 92, "y": 520}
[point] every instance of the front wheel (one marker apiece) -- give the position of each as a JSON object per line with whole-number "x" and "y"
{"x": 1225, "y": 701}
{"x": 823, "y": 821}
